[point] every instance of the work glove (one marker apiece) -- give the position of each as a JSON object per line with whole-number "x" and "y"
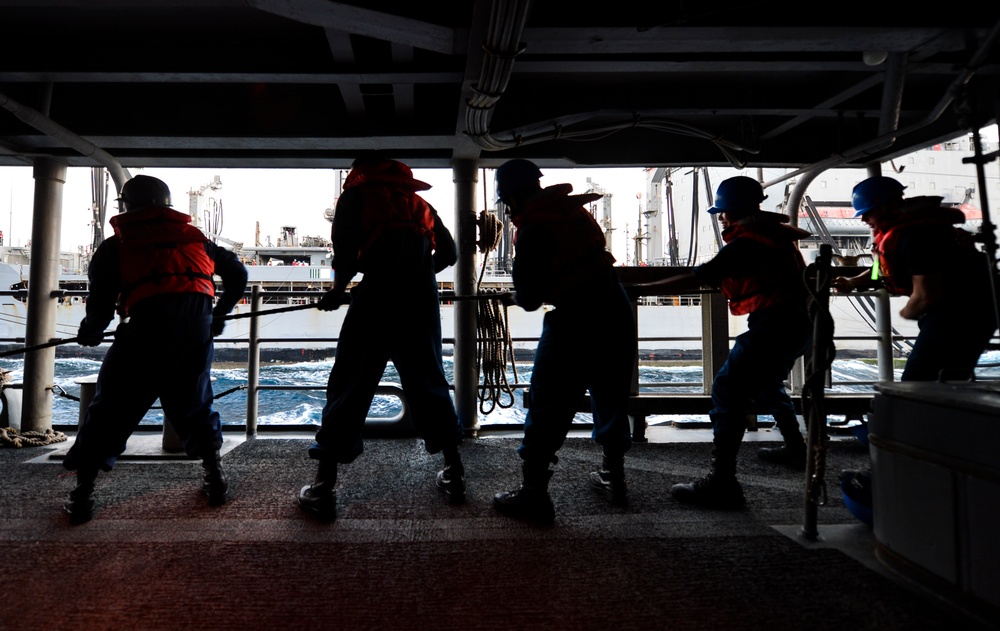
{"x": 218, "y": 326}
{"x": 88, "y": 336}
{"x": 331, "y": 300}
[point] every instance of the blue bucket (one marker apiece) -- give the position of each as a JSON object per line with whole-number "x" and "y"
{"x": 856, "y": 498}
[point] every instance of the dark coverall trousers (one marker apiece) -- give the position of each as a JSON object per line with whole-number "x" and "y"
{"x": 754, "y": 374}
{"x": 582, "y": 347}
{"x": 165, "y": 351}
{"x": 949, "y": 344}
{"x": 386, "y": 321}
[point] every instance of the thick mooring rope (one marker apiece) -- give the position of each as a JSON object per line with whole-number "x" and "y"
{"x": 10, "y": 437}
{"x": 493, "y": 343}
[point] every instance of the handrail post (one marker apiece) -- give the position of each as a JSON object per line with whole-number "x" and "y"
{"x": 253, "y": 363}
{"x": 813, "y": 394}
{"x": 883, "y": 329}
{"x": 466, "y": 378}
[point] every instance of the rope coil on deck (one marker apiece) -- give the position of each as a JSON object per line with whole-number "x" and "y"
{"x": 10, "y": 437}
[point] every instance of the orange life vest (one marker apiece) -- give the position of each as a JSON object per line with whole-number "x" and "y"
{"x": 393, "y": 205}
{"x": 580, "y": 251}
{"x": 160, "y": 253}
{"x": 886, "y": 243}
{"x": 750, "y": 293}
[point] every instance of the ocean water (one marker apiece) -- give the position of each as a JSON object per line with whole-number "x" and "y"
{"x": 304, "y": 407}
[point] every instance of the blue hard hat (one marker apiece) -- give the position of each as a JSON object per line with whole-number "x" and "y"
{"x": 515, "y": 175}
{"x": 736, "y": 194}
{"x": 874, "y": 192}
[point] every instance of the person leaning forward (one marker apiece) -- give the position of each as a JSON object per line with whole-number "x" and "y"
{"x": 561, "y": 260}
{"x": 383, "y": 229}
{"x": 921, "y": 252}
{"x": 760, "y": 271}
{"x": 157, "y": 270}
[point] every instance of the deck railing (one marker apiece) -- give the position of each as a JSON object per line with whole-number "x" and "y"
{"x": 715, "y": 341}
{"x": 715, "y": 345}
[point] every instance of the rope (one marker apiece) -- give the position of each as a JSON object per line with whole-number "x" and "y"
{"x": 493, "y": 343}
{"x": 10, "y": 437}
{"x": 490, "y": 231}
{"x": 493, "y": 347}
{"x": 58, "y": 390}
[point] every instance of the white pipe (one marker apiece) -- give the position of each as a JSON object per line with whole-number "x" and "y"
{"x": 47, "y": 126}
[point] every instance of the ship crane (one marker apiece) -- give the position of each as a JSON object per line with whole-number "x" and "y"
{"x": 655, "y": 194}
{"x": 329, "y": 212}
{"x": 211, "y": 225}
{"x": 98, "y": 205}
{"x": 605, "y": 218}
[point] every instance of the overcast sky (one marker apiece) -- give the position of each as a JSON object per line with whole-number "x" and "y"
{"x": 281, "y": 197}
{"x": 285, "y": 197}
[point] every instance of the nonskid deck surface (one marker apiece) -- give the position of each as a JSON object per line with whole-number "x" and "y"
{"x": 156, "y": 556}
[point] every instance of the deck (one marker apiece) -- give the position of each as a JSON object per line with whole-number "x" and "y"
{"x": 399, "y": 557}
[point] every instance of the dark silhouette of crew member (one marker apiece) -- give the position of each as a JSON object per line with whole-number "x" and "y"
{"x": 921, "y": 252}
{"x": 561, "y": 260}
{"x": 157, "y": 271}
{"x": 384, "y": 230}
{"x": 760, "y": 271}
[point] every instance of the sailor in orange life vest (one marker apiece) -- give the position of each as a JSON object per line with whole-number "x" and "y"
{"x": 561, "y": 260}
{"x": 920, "y": 252}
{"x": 759, "y": 270}
{"x": 383, "y": 229}
{"x": 157, "y": 270}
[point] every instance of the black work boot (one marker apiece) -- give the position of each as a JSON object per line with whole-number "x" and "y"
{"x": 215, "y": 483}
{"x": 719, "y": 489}
{"x": 530, "y": 502}
{"x": 610, "y": 480}
{"x": 793, "y": 456}
{"x": 80, "y": 505}
{"x": 712, "y": 491}
{"x": 793, "y": 452}
{"x": 451, "y": 479}
{"x": 319, "y": 498}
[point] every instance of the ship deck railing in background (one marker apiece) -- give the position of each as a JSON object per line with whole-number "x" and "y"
{"x": 646, "y": 401}
{"x": 649, "y": 397}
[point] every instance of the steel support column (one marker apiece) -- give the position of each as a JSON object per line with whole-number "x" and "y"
{"x": 883, "y": 329}
{"x": 46, "y": 226}
{"x": 465, "y": 177}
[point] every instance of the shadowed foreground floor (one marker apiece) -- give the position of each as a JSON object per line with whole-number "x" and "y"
{"x": 399, "y": 557}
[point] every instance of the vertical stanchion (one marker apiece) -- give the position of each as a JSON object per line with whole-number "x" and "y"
{"x": 465, "y": 177}
{"x": 253, "y": 363}
{"x": 40, "y": 322}
{"x": 820, "y": 359}
{"x": 883, "y": 330}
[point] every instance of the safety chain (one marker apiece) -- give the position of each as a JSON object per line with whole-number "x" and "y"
{"x": 10, "y": 437}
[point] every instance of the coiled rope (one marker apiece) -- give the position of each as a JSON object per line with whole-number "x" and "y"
{"x": 493, "y": 343}
{"x": 10, "y": 437}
